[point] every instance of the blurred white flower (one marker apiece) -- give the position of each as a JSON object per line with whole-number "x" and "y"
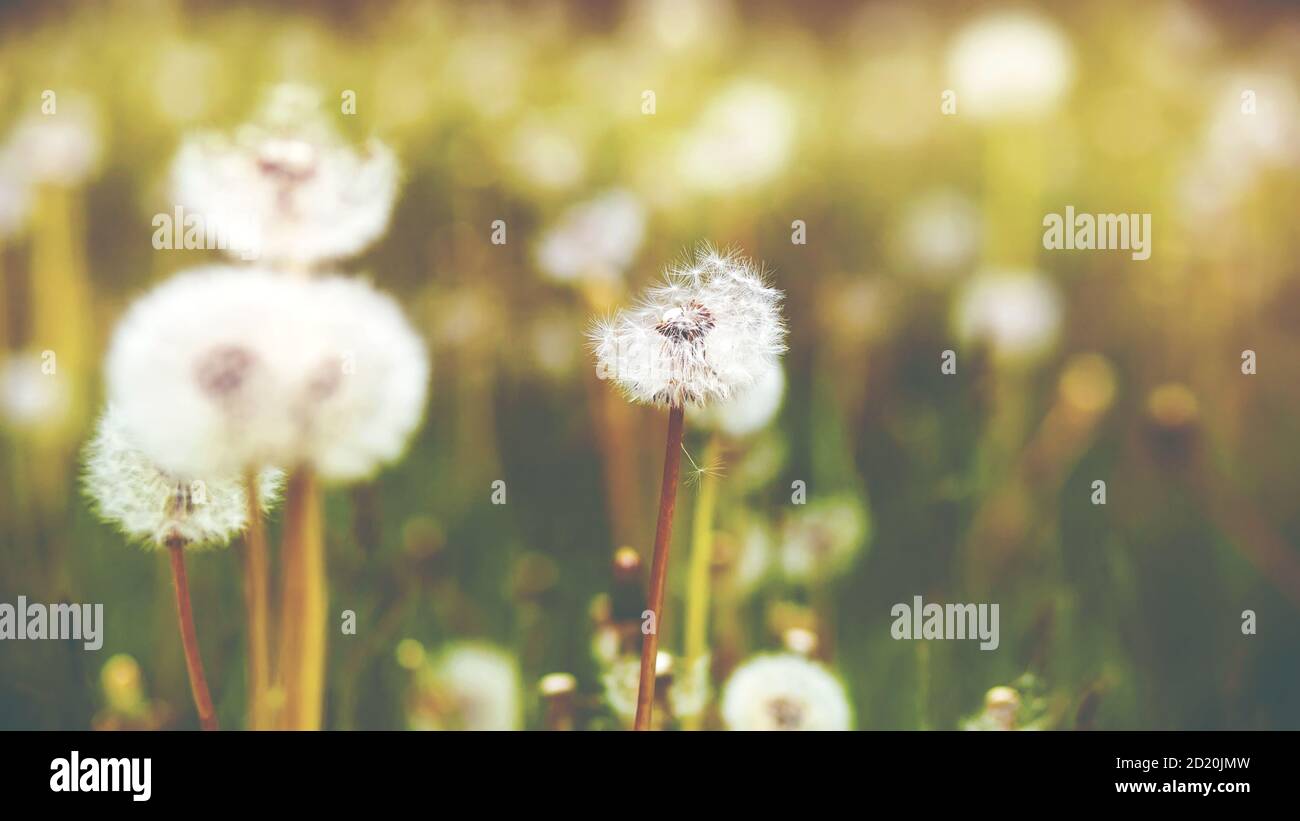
{"x": 470, "y": 686}
{"x": 622, "y": 679}
{"x": 30, "y": 397}
{"x": 61, "y": 148}
{"x": 823, "y": 538}
{"x": 597, "y": 239}
{"x": 751, "y": 409}
{"x": 941, "y": 232}
{"x": 370, "y": 377}
{"x": 1018, "y": 313}
{"x": 1010, "y": 64}
{"x": 691, "y": 690}
{"x": 755, "y": 559}
{"x": 221, "y": 369}
{"x": 785, "y": 692}
{"x": 712, "y": 329}
{"x": 153, "y": 507}
{"x": 287, "y": 186}
{"x": 744, "y": 137}
{"x": 198, "y": 369}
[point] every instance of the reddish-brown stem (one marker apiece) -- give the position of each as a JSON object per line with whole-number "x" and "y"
{"x": 190, "y": 639}
{"x": 659, "y": 567}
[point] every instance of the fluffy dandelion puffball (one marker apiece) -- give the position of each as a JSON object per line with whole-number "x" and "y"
{"x": 824, "y": 538}
{"x": 288, "y": 188}
{"x": 221, "y": 369}
{"x": 785, "y": 692}
{"x": 154, "y": 507}
{"x": 596, "y": 239}
{"x": 712, "y": 329}
{"x": 200, "y": 366}
{"x": 474, "y": 686}
{"x": 368, "y": 381}
{"x": 1017, "y": 313}
{"x": 751, "y": 409}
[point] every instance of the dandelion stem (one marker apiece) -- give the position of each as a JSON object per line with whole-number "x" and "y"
{"x": 189, "y": 639}
{"x": 303, "y": 606}
{"x": 256, "y": 584}
{"x": 659, "y": 567}
{"x": 698, "y": 584}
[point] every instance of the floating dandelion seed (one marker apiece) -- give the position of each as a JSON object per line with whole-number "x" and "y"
{"x": 287, "y": 186}
{"x": 785, "y": 692}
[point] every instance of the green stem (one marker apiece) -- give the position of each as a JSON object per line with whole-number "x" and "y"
{"x": 699, "y": 581}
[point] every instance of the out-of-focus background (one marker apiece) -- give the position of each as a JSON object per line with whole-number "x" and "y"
{"x": 891, "y": 164}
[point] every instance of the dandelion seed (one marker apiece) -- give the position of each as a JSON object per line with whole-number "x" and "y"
{"x": 711, "y": 467}
{"x": 785, "y": 692}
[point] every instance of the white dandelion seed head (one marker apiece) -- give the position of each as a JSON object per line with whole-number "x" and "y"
{"x": 691, "y": 690}
{"x": 785, "y": 692}
{"x": 476, "y": 687}
{"x": 1010, "y": 64}
{"x": 622, "y": 682}
{"x": 710, "y": 330}
{"x": 29, "y": 396}
{"x": 751, "y": 409}
{"x": 1018, "y": 313}
{"x": 198, "y": 369}
{"x": 153, "y": 507}
{"x": 595, "y": 239}
{"x": 367, "y": 380}
{"x": 62, "y": 148}
{"x": 287, "y": 187}
{"x": 824, "y": 538}
{"x": 221, "y": 369}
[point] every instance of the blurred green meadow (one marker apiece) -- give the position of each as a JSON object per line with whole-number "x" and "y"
{"x": 815, "y": 139}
